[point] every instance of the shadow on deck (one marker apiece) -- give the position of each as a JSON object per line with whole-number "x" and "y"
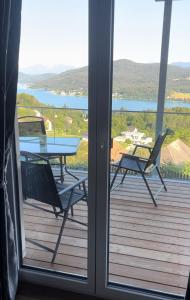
{"x": 149, "y": 247}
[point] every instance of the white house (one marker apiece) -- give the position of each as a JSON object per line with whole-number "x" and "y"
{"x": 146, "y": 140}
{"x": 134, "y": 136}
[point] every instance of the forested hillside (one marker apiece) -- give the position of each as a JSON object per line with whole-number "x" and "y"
{"x": 67, "y": 122}
{"x": 130, "y": 80}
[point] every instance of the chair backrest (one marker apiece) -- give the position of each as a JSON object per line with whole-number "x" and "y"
{"x": 157, "y": 147}
{"x": 31, "y": 126}
{"x": 38, "y": 183}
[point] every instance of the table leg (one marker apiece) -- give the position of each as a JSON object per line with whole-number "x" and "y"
{"x": 61, "y": 168}
{"x": 67, "y": 171}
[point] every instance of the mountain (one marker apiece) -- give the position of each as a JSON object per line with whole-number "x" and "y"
{"x": 28, "y": 100}
{"x": 41, "y": 69}
{"x": 182, "y": 64}
{"x": 31, "y": 79}
{"x": 72, "y": 80}
{"x": 130, "y": 80}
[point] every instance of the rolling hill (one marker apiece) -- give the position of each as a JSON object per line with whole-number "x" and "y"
{"x": 130, "y": 80}
{"x": 31, "y": 79}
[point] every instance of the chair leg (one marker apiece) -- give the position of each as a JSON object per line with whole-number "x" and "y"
{"x": 72, "y": 211}
{"x": 60, "y": 235}
{"x": 124, "y": 176}
{"x": 55, "y": 212}
{"x": 114, "y": 177}
{"x": 161, "y": 179}
{"x": 61, "y": 169}
{"x": 147, "y": 185}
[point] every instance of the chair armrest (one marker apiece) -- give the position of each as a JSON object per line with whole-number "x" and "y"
{"x": 137, "y": 158}
{"x": 131, "y": 156}
{"x": 141, "y": 146}
{"x": 36, "y": 157}
{"x": 72, "y": 186}
{"x": 51, "y": 157}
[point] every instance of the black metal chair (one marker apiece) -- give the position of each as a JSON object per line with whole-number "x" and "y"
{"x": 141, "y": 165}
{"x": 38, "y": 184}
{"x": 34, "y": 126}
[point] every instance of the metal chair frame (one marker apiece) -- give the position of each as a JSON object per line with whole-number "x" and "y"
{"x": 150, "y": 164}
{"x": 78, "y": 188}
{"x": 42, "y": 132}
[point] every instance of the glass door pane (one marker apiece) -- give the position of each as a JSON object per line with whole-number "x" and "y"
{"x": 147, "y": 244}
{"x": 53, "y": 92}
{"x": 177, "y": 113}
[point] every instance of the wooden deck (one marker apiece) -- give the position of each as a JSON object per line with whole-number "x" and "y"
{"x": 149, "y": 247}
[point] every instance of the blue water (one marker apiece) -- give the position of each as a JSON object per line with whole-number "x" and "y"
{"x": 81, "y": 102}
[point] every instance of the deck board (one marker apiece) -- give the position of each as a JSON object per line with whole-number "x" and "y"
{"x": 149, "y": 247}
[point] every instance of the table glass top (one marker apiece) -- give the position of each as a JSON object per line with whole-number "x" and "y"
{"x": 50, "y": 145}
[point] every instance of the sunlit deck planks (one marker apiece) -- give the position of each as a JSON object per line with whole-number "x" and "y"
{"x": 149, "y": 247}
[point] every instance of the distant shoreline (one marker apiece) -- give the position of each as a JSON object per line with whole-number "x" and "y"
{"x": 185, "y": 97}
{"x": 81, "y": 102}
{"x": 171, "y": 98}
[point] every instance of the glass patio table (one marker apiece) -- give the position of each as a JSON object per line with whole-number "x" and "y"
{"x": 60, "y": 147}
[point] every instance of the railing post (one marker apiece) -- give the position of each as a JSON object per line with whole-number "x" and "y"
{"x": 163, "y": 66}
{"x": 54, "y": 123}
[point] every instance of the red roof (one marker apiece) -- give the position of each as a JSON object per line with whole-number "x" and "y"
{"x": 176, "y": 153}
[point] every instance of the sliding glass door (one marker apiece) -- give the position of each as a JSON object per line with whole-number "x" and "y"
{"x": 144, "y": 235}
{"x": 104, "y": 102}
{"x": 53, "y": 141}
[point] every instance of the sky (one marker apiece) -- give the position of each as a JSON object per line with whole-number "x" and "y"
{"x": 56, "y": 31}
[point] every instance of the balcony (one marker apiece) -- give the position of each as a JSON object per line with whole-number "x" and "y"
{"x": 149, "y": 247}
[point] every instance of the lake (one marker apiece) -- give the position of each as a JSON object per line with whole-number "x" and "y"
{"x": 81, "y": 102}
